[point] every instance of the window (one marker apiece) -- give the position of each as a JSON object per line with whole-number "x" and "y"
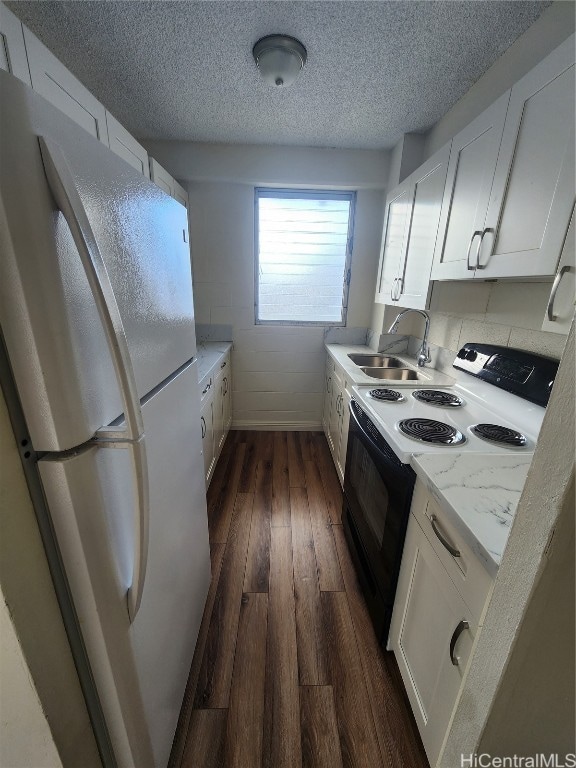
{"x": 303, "y": 248}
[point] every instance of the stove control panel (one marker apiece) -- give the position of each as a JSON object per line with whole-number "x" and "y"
{"x": 523, "y": 373}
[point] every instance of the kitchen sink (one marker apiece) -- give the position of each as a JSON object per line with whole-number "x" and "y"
{"x": 391, "y": 374}
{"x": 376, "y": 361}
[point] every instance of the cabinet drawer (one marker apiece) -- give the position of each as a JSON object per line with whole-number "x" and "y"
{"x": 470, "y": 577}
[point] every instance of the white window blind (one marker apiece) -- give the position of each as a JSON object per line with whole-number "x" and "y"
{"x": 303, "y": 244}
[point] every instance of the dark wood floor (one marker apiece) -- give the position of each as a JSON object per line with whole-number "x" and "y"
{"x": 287, "y": 671}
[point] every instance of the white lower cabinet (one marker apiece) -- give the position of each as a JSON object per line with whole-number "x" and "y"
{"x": 439, "y": 607}
{"x": 215, "y": 414}
{"x": 336, "y": 415}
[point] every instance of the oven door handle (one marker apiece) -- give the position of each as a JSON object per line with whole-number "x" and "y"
{"x": 366, "y": 435}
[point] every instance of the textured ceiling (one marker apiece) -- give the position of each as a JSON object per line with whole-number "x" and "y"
{"x": 184, "y": 70}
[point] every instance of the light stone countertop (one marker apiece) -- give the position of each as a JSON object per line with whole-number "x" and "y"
{"x": 428, "y": 377}
{"x": 209, "y": 354}
{"x": 479, "y": 493}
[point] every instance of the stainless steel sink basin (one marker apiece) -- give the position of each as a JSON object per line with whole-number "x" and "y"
{"x": 376, "y": 361}
{"x": 391, "y": 374}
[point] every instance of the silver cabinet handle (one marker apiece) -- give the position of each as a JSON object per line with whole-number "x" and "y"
{"x": 484, "y": 232}
{"x": 328, "y": 381}
{"x": 555, "y": 285}
{"x": 203, "y": 426}
{"x": 462, "y": 625}
{"x": 393, "y": 289}
{"x": 225, "y": 385}
{"x": 477, "y": 233}
{"x": 223, "y": 365}
{"x": 207, "y": 387}
{"x": 66, "y": 197}
{"x": 400, "y": 288}
{"x": 445, "y": 543}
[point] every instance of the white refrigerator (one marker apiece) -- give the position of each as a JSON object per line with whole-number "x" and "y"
{"x": 97, "y": 319}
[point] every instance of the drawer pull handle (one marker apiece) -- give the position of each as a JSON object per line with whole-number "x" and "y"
{"x": 455, "y": 635}
{"x": 203, "y": 426}
{"x": 453, "y": 551}
{"x": 206, "y": 388}
{"x": 223, "y": 365}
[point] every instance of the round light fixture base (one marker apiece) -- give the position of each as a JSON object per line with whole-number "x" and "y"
{"x": 280, "y": 58}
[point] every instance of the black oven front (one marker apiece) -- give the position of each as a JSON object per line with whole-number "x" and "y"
{"x": 377, "y": 496}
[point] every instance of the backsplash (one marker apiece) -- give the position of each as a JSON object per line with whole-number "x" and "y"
{"x": 505, "y": 313}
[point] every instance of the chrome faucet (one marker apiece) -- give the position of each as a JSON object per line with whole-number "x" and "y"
{"x": 424, "y": 351}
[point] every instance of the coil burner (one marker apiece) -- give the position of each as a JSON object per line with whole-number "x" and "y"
{"x": 430, "y": 431}
{"x": 387, "y": 395}
{"x": 438, "y": 398}
{"x": 494, "y": 433}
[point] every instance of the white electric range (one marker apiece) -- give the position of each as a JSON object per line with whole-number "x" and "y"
{"x": 475, "y": 415}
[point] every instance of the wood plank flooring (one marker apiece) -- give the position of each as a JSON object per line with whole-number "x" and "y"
{"x": 287, "y": 671}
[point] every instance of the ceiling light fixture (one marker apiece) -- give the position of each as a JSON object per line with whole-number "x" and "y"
{"x": 279, "y": 58}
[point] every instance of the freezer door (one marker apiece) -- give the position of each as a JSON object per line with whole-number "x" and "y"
{"x": 54, "y": 335}
{"x": 140, "y": 668}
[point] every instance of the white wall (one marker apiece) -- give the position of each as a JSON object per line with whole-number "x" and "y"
{"x": 25, "y": 738}
{"x": 277, "y": 371}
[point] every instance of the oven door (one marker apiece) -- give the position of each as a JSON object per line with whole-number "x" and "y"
{"x": 378, "y": 492}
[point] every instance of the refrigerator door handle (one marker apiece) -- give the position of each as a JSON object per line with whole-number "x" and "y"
{"x": 61, "y": 183}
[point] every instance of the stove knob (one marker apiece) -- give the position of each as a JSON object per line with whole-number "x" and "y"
{"x": 471, "y": 355}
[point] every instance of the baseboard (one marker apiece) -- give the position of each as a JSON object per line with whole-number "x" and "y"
{"x": 280, "y": 426}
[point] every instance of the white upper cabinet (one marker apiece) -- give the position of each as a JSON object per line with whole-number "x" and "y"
{"x": 411, "y": 226}
{"x": 125, "y": 145}
{"x": 469, "y": 180}
{"x": 427, "y": 184}
{"x": 394, "y": 241}
{"x": 180, "y": 194}
{"x": 533, "y": 190}
{"x": 12, "y": 49}
{"x": 51, "y": 79}
{"x": 165, "y": 181}
{"x": 560, "y": 310}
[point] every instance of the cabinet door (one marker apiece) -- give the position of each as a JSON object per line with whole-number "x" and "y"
{"x": 344, "y": 425}
{"x": 560, "y": 309}
{"x": 471, "y": 167}
{"x": 180, "y": 194}
{"x": 161, "y": 177}
{"x": 394, "y": 241}
{"x": 328, "y": 385}
{"x": 227, "y": 403}
{"x": 427, "y": 184}
{"x": 125, "y": 145}
{"x": 54, "y": 82}
{"x": 12, "y": 49}
{"x": 335, "y": 418}
{"x": 207, "y": 427}
{"x": 427, "y": 634}
{"x": 219, "y": 415}
{"x": 533, "y": 191}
